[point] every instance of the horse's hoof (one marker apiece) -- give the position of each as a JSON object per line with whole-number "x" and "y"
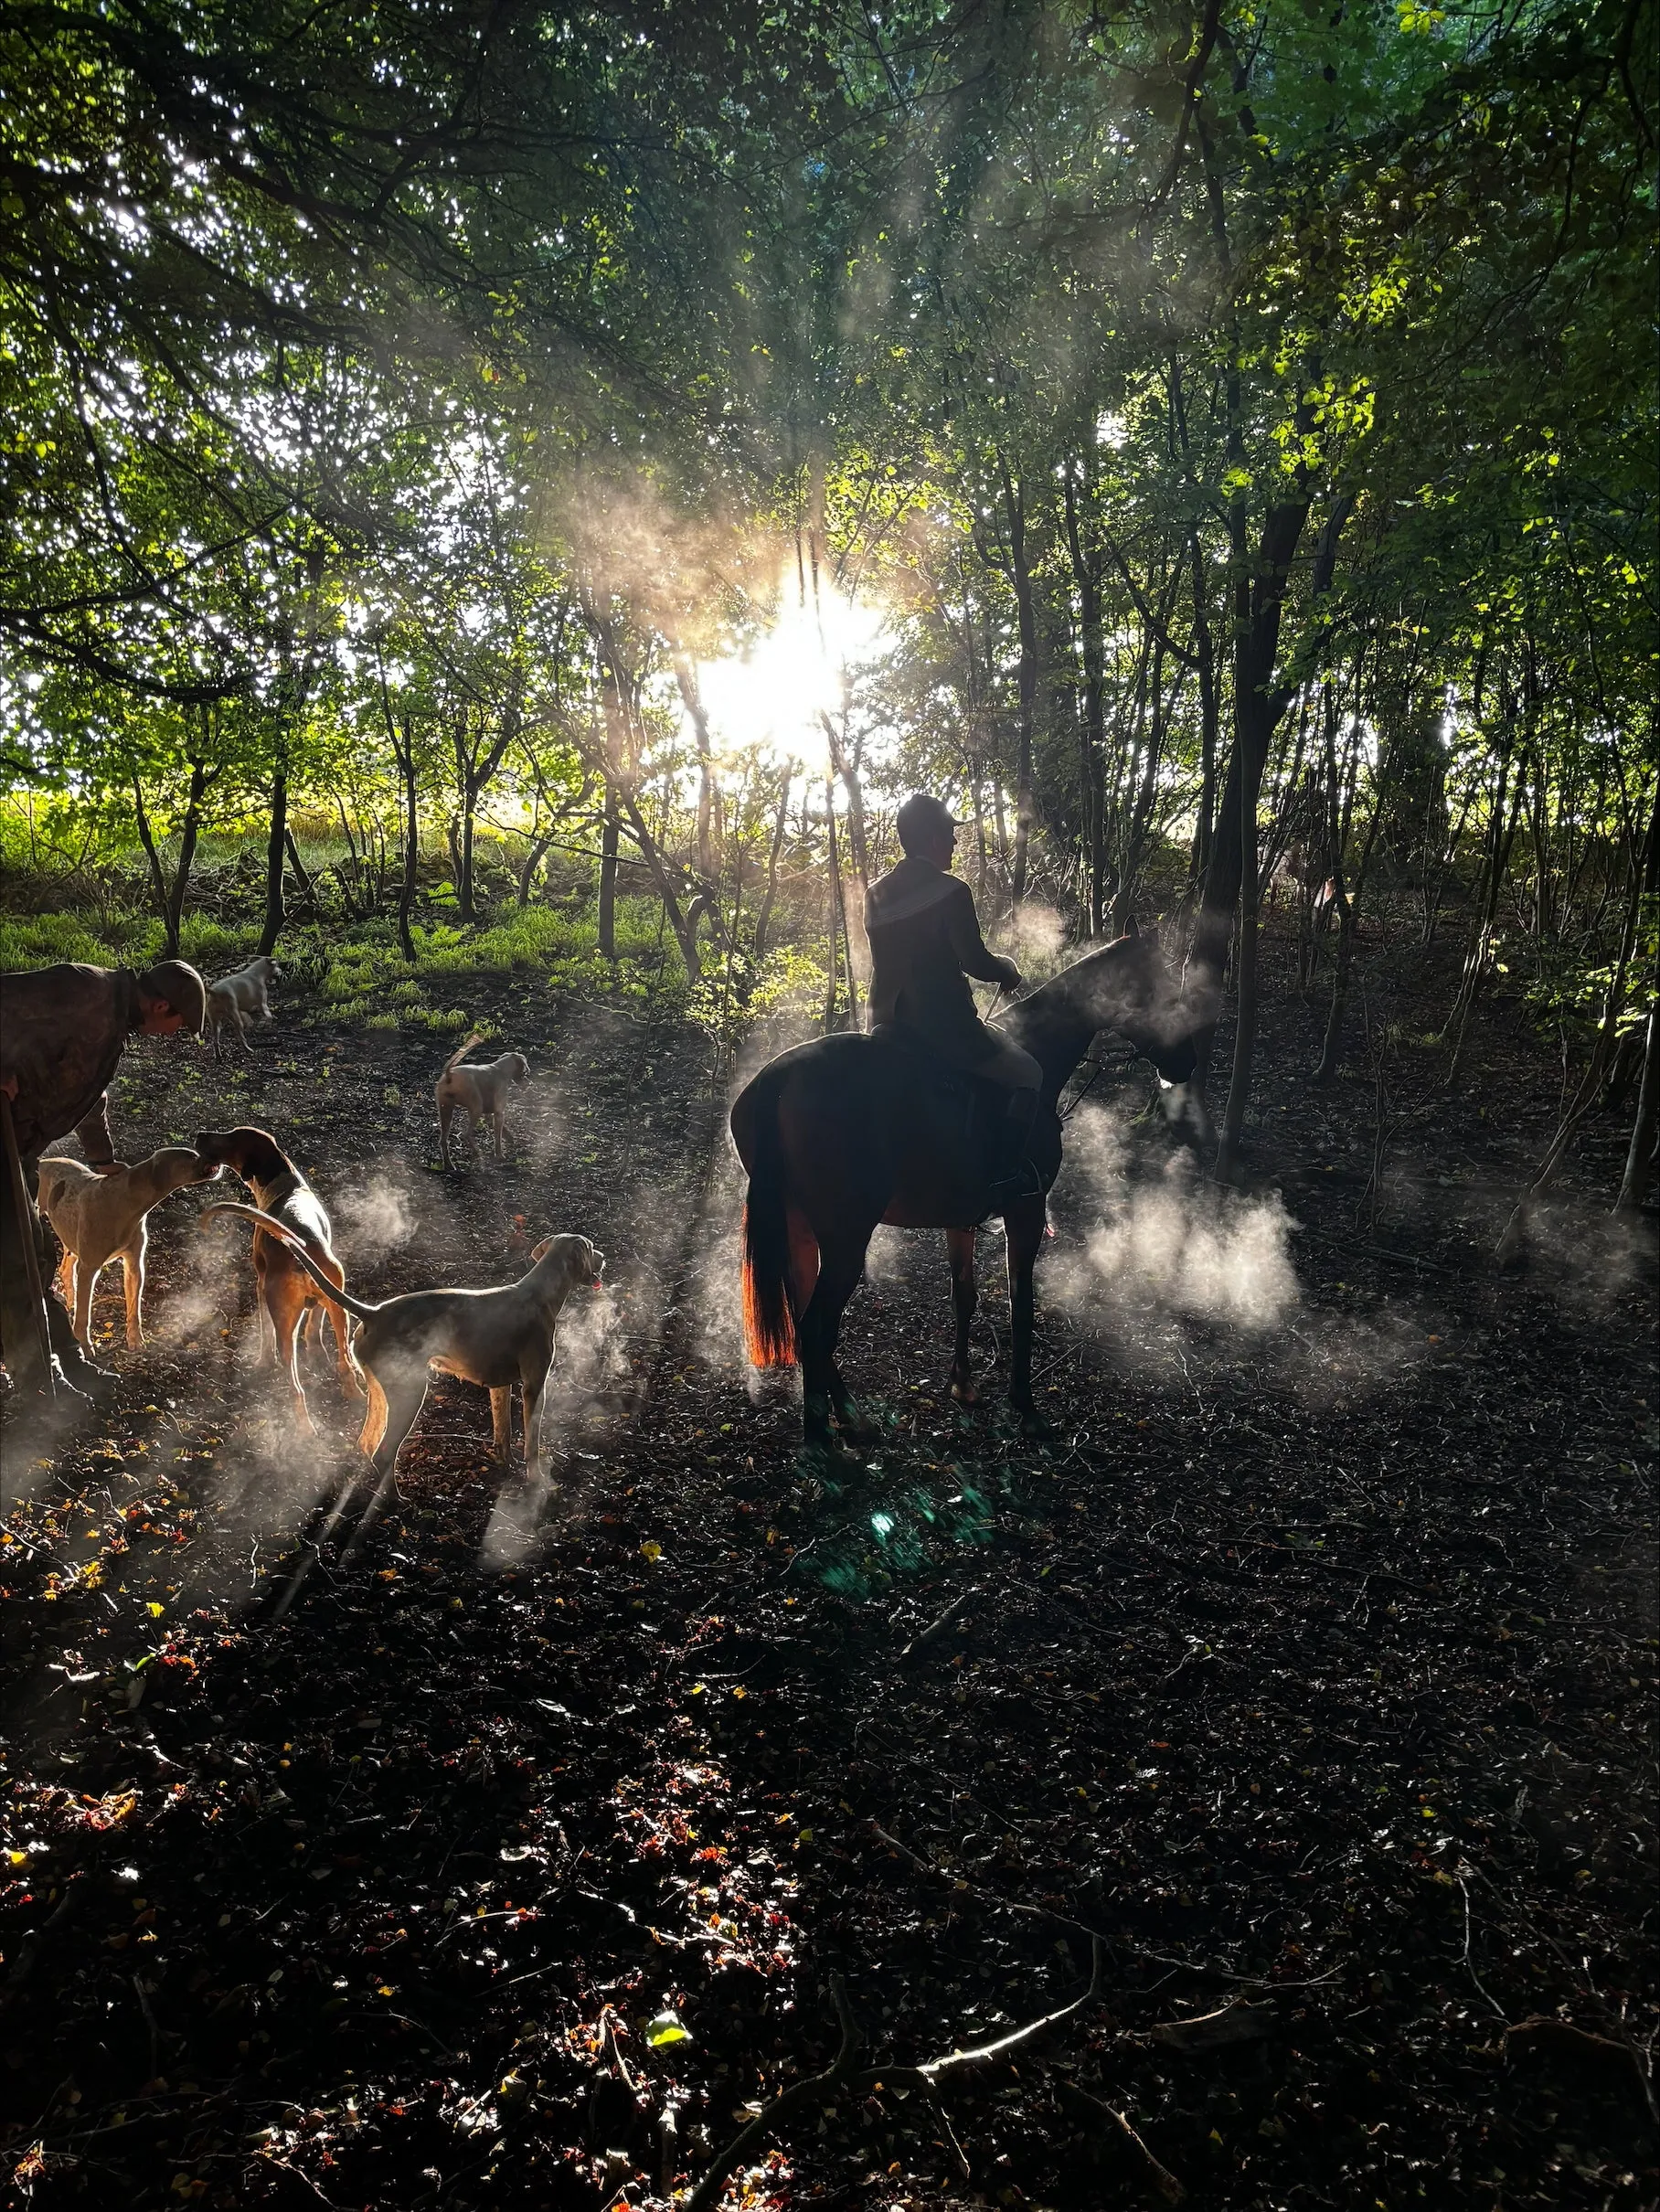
{"x": 964, "y": 1391}
{"x": 1033, "y": 1425}
{"x": 857, "y": 1428}
{"x": 823, "y": 1448}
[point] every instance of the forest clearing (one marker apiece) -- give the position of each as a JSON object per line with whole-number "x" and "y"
{"x": 575, "y": 582}
{"x": 1303, "y": 1641}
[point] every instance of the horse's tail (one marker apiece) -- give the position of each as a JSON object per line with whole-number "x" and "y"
{"x": 768, "y": 1323}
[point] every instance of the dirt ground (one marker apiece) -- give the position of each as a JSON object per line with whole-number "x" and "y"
{"x": 1301, "y": 1688}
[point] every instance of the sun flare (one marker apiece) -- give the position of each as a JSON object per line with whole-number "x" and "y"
{"x": 775, "y": 694}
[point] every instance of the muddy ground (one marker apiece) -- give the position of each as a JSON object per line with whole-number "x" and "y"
{"x": 1302, "y": 1687}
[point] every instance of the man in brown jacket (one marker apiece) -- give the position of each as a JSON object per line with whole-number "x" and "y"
{"x": 925, "y": 943}
{"x": 62, "y": 1032}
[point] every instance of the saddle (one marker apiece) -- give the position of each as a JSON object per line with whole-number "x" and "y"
{"x": 980, "y": 1106}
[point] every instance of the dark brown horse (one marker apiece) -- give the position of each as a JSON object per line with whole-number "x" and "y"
{"x": 847, "y": 1132}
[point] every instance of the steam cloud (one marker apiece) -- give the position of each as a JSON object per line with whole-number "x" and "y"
{"x": 1175, "y": 1245}
{"x": 374, "y": 1218}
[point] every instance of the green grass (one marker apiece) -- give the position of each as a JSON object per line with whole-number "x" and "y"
{"x": 360, "y": 976}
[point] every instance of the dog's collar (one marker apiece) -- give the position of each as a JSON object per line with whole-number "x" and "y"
{"x": 271, "y": 1195}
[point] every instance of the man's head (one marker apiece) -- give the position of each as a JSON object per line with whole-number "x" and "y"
{"x": 171, "y": 996}
{"x": 926, "y": 829}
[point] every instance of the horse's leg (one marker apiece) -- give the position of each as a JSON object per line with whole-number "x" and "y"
{"x": 849, "y": 1418}
{"x": 1023, "y": 1227}
{"x": 840, "y": 1266}
{"x": 965, "y": 1298}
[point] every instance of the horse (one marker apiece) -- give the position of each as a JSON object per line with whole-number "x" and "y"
{"x": 852, "y": 1129}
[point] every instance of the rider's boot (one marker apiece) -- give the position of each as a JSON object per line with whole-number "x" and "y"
{"x": 1013, "y": 1176}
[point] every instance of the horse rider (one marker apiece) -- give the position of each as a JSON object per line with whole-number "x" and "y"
{"x": 62, "y": 1032}
{"x": 925, "y": 943}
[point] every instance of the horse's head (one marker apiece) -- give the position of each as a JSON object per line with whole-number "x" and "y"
{"x": 1131, "y": 987}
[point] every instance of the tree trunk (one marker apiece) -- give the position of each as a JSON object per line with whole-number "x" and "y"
{"x": 464, "y": 877}
{"x": 1646, "y": 873}
{"x": 1639, "y": 1157}
{"x": 1204, "y": 829}
{"x": 853, "y": 929}
{"x": 170, "y": 897}
{"x": 686, "y": 675}
{"x": 764, "y": 920}
{"x": 836, "y": 905}
{"x": 411, "y": 844}
{"x": 308, "y": 890}
{"x": 1256, "y": 710}
{"x": 1094, "y": 713}
{"x": 683, "y": 924}
{"x": 532, "y": 861}
{"x": 607, "y": 874}
{"x": 275, "y": 851}
{"x": 158, "y": 882}
{"x": 1026, "y": 693}
{"x": 1348, "y": 929}
{"x": 1245, "y": 990}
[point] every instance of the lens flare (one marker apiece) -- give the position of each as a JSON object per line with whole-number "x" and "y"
{"x": 773, "y": 697}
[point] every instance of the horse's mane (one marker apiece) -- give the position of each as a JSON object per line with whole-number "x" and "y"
{"x": 1055, "y": 996}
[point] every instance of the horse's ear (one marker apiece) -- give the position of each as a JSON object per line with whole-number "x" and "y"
{"x": 1132, "y": 927}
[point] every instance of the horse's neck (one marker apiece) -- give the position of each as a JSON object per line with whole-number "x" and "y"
{"x": 1056, "y": 1039}
{"x": 1062, "y": 1019}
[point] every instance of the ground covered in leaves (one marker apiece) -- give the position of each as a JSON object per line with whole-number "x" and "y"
{"x": 1300, "y": 1691}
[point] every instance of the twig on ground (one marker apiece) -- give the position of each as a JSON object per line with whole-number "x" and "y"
{"x": 953, "y": 1611}
{"x": 1065, "y": 1919}
{"x": 934, "y": 2070}
{"x": 1095, "y": 2107}
{"x": 839, "y": 2070}
{"x": 925, "y": 2078}
{"x": 608, "y": 2029}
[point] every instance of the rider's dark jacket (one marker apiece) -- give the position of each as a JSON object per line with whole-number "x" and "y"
{"x": 925, "y": 943}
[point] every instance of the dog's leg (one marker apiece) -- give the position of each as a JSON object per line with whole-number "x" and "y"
{"x": 496, "y": 1118}
{"x": 446, "y": 1113}
{"x": 287, "y": 1299}
{"x": 266, "y": 1352}
{"x": 242, "y": 1034}
{"x": 346, "y": 1359}
{"x": 500, "y": 1424}
{"x": 86, "y": 1283}
{"x": 375, "y": 1416}
{"x": 405, "y": 1388}
{"x": 533, "y": 1382}
{"x": 132, "y": 1272}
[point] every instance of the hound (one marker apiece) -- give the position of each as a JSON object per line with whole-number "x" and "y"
{"x": 284, "y": 1291}
{"x": 99, "y": 1217}
{"x": 493, "y": 1338}
{"x": 476, "y": 1092}
{"x": 235, "y": 999}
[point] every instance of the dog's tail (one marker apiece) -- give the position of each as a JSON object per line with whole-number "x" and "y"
{"x": 768, "y": 1322}
{"x": 461, "y": 1050}
{"x": 280, "y": 1229}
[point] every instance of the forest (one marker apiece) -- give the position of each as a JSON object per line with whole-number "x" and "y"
{"x": 501, "y": 505}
